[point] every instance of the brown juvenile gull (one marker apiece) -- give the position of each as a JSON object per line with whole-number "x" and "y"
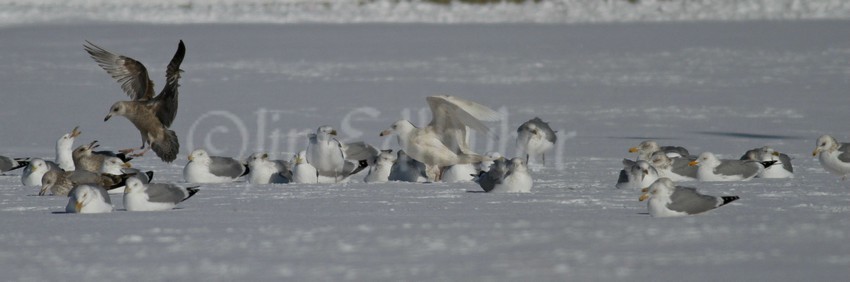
{"x": 61, "y": 182}
{"x": 151, "y": 115}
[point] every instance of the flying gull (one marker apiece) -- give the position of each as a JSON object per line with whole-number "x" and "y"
{"x": 666, "y": 200}
{"x": 443, "y": 142}
{"x": 833, "y": 156}
{"x": 203, "y": 168}
{"x": 88, "y": 199}
{"x": 151, "y": 115}
{"x": 535, "y": 137}
{"x": 139, "y": 196}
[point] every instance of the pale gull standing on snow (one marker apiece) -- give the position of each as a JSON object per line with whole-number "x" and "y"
{"x": 151, "y": 115}
{"x": 325, "y": 153}
{"x": 262, "y": 170}
{"x": 516, "y": 180}
{"x": 59, "y": 182}
{"x": 677, "y": 169}
{"x": 381, "y": 167}
{"x": 713, "y": 169}
{"x": 444, "y": 141}
{"x": 88, "y": 199}
{"x": 407, "y": 169}
{"x": 494, "y": 175}
{"x": 636, "y": 175}
{"x": 535, "y": 137}
{"x": 781, "y": 169}
{"x": 667, "y": 200}
{"x": 833, "y": 156}
{"x": 646, "y": 148}
{"x": 303, "y": 172}
{"x": 139, "y": 196}
{"x": 203, "y": 168}
{"x": 35, "y": 171}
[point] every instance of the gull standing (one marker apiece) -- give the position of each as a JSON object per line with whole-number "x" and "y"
{"x": 667, "y": 200}
{"x": 203, "y": 168}
{"x": 35, "y": 170}
{"x": 265, "y": 171}
{"x": 151, "y": 115}
{"x": 535, "y": 137}
{"x": 444, "y": 141}
{"x": 303, "y": 172}
{"x": 88, "y": 199}
{"x": 636, "y": 175}
{"x": 781, "y": 169}
{"x": 646, "y": 148}
{"x": 833, "y": 156}
{"x": 325, "y": 153}
{"x": 713, "y": 169}
{"x": 381, "y": 167}
{"x": 139, "y": 196}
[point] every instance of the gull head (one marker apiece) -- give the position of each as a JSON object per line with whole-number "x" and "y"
{"x": 134, "y": 185}
{"x": 199, "y": 155}
{"x": 325, "y": 130}
{"x": 825, "y": 143}
{"x": 705, "y": 158}
{"x": 118, "y": 109}
{"x": 399, "y": 127}
{"x": 662, "y": 186}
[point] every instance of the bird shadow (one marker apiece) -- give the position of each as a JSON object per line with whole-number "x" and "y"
{"x": 470, "y": 191}
{"x": 641, "y": 137}
{"x": 61, "y": 212}
{"x": 749, "y": 135}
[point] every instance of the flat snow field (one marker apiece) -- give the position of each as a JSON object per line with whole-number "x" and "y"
{"x": 708, "y": 86}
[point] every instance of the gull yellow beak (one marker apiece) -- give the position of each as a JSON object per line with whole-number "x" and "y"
{"x": 75, "y": 132}
{"x": 78, "y": 207}
{"x": 693, "y": 163}
{"x": 190, "y": 158}
{"x": 815, "y": 152}
{"x": 126, "y": 165}
{"x": 386, "y": 132}
{"x": 643, "y": 197}
{"x": 633, "y": 150}
{"x": 333, "y": 132}
{"x": 776, "y": 154}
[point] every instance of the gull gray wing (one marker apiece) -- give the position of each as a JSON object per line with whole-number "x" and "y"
{"x": 688, "y": 200}
{"x": 681, "y": 151}
{"x": 680, "y": 166}
{"x": 542, "y": 125}
{"x": 165, "y": 104}
{"x": 737, "y": 167}
{"x": 131, "y": 74}
{"x": 164, "y": 193}
{"x": 786, "y": 162}
{"x": 360, "y": 151}
{"x": 845, "y": 152}
{"x": 221, "y": 166}
{"x": 451, "y": 116}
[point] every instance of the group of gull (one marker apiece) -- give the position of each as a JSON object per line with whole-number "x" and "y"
{"x": 437, "y": 152}
{"x": 657, "y": 168}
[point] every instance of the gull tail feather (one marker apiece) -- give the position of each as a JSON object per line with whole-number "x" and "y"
{"x": 728, "y": 199}
{"x": 191, "y": 191}
{"x": 167, "y": 148}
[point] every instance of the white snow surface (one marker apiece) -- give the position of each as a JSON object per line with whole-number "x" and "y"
{"x": 708, "y": 86}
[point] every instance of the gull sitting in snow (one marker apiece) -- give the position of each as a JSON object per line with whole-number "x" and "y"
{"x": 713, "y": 169}
{"x": 443, "y": 142}
{"x": 203, "y": 168}
{"x": 115, "y": 166}
{"x": 535, "y": 137}
{"x": 781, "y": 169}
{"x": 85, "y": 158}
{"x": 636, "y": 175}
{"x": 151, "y": 115}
{"x": 139, "y": 196}
{"x": 64, "y": 147}
{"x": 303, "y": 172}
{"x": 646, "y": 148}
{"x": 495, "y": 174}
{"x": 833, "y": 156}
{"x": 59, "y": 182}
{"x": 66, "y": 158}
{"x": 677, "y": 169}
{"x": 666, "y": 199}
{"x": 265, "y": 171}
{"x": 516, "y": 180}
{"x": 35, "y": 171}
{"x": 407, "y": 169}
{"x": 381, "y": 167}
{"x": 88, "y": 199}
{"x": 7, "y": 163}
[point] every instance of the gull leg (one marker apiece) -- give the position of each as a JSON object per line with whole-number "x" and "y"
{"x": 543, "y": 156}
{"x": 127, "y": 151}
{"x": 142, "y": 153}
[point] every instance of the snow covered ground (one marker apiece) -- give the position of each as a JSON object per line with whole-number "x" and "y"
{"x": 720, "y": 87}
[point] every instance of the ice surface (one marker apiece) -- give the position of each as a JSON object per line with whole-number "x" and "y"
{"x": 720, "y": 87}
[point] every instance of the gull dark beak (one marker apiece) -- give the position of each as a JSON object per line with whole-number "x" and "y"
{"x": 333, "y": 132}
{"x": 107, "y": 117}
{"x": 386, "y": 132}
{"x": 75, "y": 132}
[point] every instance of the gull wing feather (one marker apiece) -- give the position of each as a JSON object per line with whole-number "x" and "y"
{"x": 131, "y": 74}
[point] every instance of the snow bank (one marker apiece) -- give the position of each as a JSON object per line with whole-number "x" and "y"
{"x": 413, "y": 11}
